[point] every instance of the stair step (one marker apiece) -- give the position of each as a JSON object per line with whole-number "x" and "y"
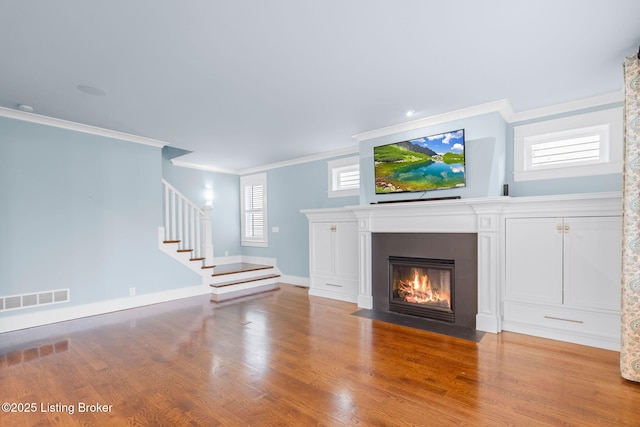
{"x": 185, "y": 250}
{"x": 171, "y": 241}
{"x": 237, "y": 282}
{"x": 207, "y": 266}
{"x": 196, "y": 259}
{"x": 239, "y": 267}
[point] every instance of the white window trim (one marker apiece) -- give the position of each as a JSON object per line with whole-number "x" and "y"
{"x": 333, "y": 168}
{"x": 610, "y": 161}
{"x": 248, "y": 181}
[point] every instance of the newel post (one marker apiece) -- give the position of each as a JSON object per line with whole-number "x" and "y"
{"x": 207, "y": 241}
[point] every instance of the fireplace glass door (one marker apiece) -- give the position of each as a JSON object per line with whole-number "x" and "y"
{"x": 422, "y": 287}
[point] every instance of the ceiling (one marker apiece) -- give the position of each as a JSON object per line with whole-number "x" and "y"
{"x": 245, "y": 83}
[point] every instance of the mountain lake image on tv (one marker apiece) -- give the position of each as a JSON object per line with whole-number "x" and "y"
{"x": 432, "y": 162}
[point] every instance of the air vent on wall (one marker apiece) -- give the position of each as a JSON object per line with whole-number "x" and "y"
{"x": 15, "y": 302}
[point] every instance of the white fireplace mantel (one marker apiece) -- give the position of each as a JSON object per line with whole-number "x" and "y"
{"x": 481, "y": 216}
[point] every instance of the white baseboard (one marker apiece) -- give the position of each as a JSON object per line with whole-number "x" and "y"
{"x": 592, "y": 340}
{"x": 46, "y": 317}
{"x": 232, "y": 259}
{"x": 259, "y": 260}
{"x": 333, "y": 295}
{"x": 365, "y": 301}
{"x": 487, "y": 323}
{"x": 295, "y": 280}
{"x": 61, "y": 314}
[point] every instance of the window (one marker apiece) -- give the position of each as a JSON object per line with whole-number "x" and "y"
{"x": 344, "y": 177}
{"x": 254, "y": 210}
{"x": 583, "y": 146}
{"x": 587, "y": 144}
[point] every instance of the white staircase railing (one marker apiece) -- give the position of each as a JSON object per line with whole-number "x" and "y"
{"x": 188, "y": 223}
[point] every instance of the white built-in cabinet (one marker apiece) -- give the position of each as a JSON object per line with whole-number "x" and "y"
{"x": 549, "y": 267}
{"x": 562, "y": 277}
{"x": 333, "y": 254}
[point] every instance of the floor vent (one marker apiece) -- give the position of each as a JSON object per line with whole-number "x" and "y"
{"x": 15, "y": 302}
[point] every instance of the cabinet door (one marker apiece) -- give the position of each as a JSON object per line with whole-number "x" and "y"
{"x": 534, "y": 259}
{"x": 321, "y": 250}
{"x": 593, "y": 262}
{"x": 346, "y": 244}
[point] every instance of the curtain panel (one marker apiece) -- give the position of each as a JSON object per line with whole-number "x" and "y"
{"x": 630, "y": 334}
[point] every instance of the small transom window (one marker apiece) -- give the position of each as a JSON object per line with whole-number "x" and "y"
{"x": 580, "y": 145}
{"x": 344, "y": 177}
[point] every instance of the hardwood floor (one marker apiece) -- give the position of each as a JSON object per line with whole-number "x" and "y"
{"x": 284, "y": 358}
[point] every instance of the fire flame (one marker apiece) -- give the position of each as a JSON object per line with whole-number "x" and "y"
{"x": 420, "y": 291}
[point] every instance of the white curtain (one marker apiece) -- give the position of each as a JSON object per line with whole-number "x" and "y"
{"x": 630, "y": 348}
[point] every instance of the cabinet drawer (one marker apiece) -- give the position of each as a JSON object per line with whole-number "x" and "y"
{"x": 605, "y": 324}
{"x": 334, "y": 288}
{"x": 332, "y": 284}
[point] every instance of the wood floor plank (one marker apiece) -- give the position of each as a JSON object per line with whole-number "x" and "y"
{"x": 286, "y": 358}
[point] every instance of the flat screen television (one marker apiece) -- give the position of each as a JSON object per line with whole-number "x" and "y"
{"x": 432, "y": 162}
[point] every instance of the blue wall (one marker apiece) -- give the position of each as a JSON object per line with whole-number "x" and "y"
{"x": 226, "y": 199}
{"x": 289, "y": 189}
{"x": 82, "y": 212}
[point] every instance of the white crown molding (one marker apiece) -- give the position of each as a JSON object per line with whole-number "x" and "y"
{"x": 78, "y": 127}
{"x": 189, "y": 165}
{"x": 567, "y": 107}
{"x": 306, "y": 159}
{"x": 501, "y": 106}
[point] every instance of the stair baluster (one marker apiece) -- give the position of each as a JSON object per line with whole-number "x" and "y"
{"x": 188, "y": 223}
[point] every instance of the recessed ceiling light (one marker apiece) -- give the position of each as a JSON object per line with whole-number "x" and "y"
{"x": 26, "y": 108}
{"x": 91, "y": 90}
{"x": 410, "y": 113}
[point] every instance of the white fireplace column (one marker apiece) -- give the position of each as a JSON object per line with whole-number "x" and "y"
{"x": 365, "y": 295}
{"x": 489, "y": 267}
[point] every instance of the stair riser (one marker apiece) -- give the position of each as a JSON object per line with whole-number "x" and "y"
{"x": 237, "y": 291}
{"x": 184, "y": 258}
{"x": 243, "y": 286}
{"x": 240, "y": 276}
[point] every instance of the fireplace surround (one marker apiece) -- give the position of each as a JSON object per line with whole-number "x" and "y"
{"x": 452, "y": 256}
{"x": 450, "y": 219}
